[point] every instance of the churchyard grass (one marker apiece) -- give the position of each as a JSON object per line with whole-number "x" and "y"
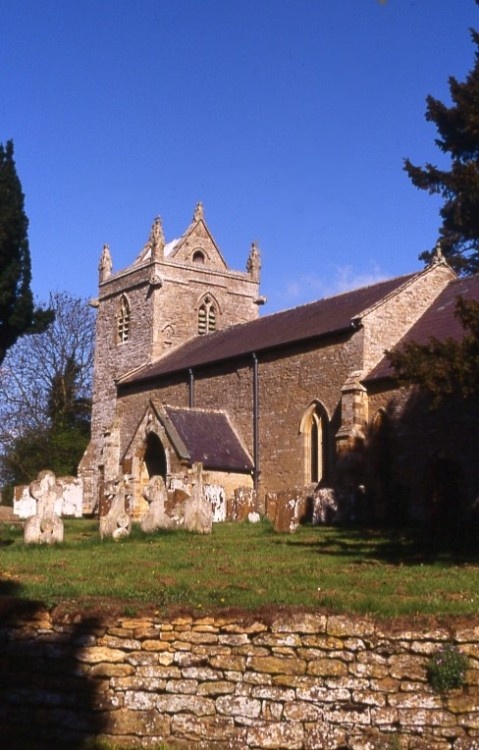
{"x": 247, "y": 566}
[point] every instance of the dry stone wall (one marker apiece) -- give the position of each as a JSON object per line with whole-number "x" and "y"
{"x": 292, "y": 681}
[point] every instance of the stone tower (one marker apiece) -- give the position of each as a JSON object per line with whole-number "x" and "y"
{"x": 170, "y": 293}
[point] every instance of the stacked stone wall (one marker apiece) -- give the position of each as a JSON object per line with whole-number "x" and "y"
{"x": 292, "y": 681}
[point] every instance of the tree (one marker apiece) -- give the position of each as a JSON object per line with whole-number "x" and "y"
{"x": 444, "y": 368}
{"x": 17, "y": 313}
{"x": 458, "y": 128}
{"x": 45, "y": 395}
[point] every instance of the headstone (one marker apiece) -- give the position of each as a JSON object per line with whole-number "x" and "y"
{"x": 242, "y": 504}
{"x": 156, "y": 495}
{"x": 198, "y": 510}
{"x": 116, "y": 523}
{"x": 286, "y": 519}
{"x": 325, "y": 507}
{"x": 216, "y": 496}
{"x": 45, "y": 527}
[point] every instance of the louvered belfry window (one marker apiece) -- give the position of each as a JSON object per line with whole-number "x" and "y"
{"x": 124, "y": 321}
{"x": 206, "y": 317}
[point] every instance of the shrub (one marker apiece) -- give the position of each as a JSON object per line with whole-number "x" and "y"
{"x": 447, "y": 669}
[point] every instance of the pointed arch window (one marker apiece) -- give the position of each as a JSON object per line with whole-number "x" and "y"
{"x": 314, "y": 428}
{"x": 207, "y": 316}
{"x": 123, "y": 330}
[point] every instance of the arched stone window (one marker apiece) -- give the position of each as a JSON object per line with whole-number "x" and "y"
{"x": 207, "y": 316}
{"x": 198, "y": 257}
{"x": 123, "y": 329}
{"x": 314, "y": 428}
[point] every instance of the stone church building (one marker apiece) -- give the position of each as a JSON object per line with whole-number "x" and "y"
{"x": 187, "y": 373}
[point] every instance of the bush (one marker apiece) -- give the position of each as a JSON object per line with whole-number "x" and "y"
{"x": 447, "y": 669}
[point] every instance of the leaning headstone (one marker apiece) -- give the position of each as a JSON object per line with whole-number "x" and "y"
{"x": 156, "y": 495}
{"x": 116, "y": 523}
{"x": 45, "y": 527}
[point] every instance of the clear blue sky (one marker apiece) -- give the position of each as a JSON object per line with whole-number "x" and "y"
{"x": 288, "y": 119}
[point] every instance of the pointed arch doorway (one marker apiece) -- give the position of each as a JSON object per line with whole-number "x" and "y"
{"x": 154, "y": 459}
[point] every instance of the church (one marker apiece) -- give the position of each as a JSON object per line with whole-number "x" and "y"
{"x": 188, "y": 374}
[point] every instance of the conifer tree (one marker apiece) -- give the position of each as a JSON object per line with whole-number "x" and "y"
{"x": 447, "y": 367}
{"x": 17, "y": 313}
{"x": 458, "y": 129}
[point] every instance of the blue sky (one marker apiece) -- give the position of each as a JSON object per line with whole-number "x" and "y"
{"x": 288, "y": 119}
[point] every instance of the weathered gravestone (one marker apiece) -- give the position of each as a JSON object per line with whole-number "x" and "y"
{"x": 116, "y": 522}
{"x": 198, "y": 510}
{"x": 45, "y": 527}
{"x": 157, "y": 517}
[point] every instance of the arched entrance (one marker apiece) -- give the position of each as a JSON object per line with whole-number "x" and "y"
{"x": 155, "y": 456}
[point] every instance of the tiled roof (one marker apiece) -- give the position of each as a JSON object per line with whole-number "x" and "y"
{"x": 314, "y": 320}
{"x": 209, "y": 437}
{"x": 439, "y": 321}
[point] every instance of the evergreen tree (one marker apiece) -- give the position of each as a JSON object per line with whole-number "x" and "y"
{"x": 458, "y": 128}
{"x": 17, "y": 313}
{"x": 444, "y": 368}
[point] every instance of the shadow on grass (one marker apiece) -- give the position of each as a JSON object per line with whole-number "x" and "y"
{"x": 45, "y": 699}
{"x": 395, "y": 546}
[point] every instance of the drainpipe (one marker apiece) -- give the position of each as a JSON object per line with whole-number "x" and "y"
{"x": 256, "y": 469}
{"x": 191, "y": 388}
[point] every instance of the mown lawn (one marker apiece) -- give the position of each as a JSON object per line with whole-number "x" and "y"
{"x": 248, "y": 566}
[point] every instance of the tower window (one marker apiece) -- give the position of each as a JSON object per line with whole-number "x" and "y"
{"x": 124, "y": 321}
{"x": 198, "y": 256}
{"x": 206, "y": 317}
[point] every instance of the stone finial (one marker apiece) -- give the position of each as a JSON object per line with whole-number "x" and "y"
{"x": 438, "y": 255}
{"x": 156, "y": 240}
{"x": 253, "y": 264}
{"x": 105, "y": 265}
{"x": 198, "y": 214}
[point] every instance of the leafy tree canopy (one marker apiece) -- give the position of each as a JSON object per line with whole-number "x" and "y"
{"x": 45, "y": 395}
{"x": 458, "y": 129}
{"x": 444, "y": 368}
{"x": 17, "y": 313}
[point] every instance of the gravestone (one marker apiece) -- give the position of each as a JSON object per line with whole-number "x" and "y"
{"x": 45, "y": 527}
{"x": 116, "y": 522}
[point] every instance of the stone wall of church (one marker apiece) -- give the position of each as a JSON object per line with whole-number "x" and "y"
{"x": 441, "y": 469}
{"x": 288, "y": 383}
{"x": 387, "y": 323}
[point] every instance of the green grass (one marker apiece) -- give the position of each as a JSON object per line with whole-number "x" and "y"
{"x": 248, "y": 566}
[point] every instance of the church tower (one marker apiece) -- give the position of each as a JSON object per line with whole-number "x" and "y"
{"x": 171, "y": 292}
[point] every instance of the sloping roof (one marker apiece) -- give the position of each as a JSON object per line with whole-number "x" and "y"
{"x": 316, "y": 319}
{"x": 210, "y": 438}
{"x": 439, "y": 322}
